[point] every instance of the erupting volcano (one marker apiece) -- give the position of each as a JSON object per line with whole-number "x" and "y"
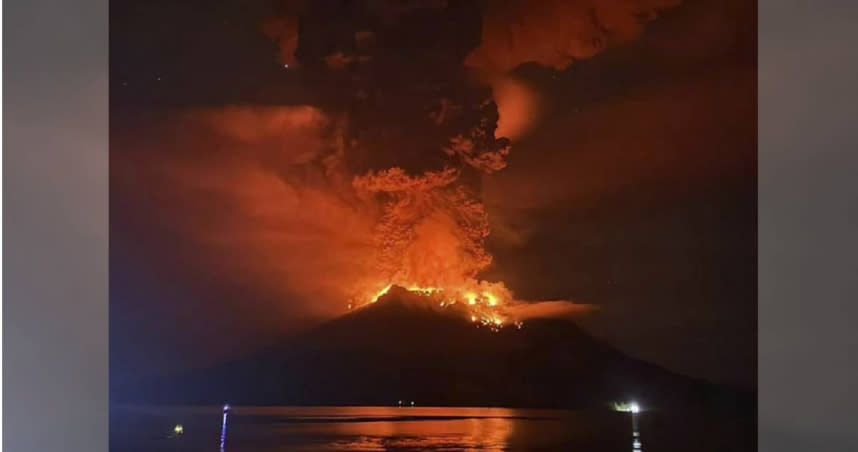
{"x": 431, "y": 227}
{"x": 402, "y": 224}
{"x": 405, "y": 346}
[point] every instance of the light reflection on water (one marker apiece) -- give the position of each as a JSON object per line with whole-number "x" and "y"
{"x": 429, "y": 432}
{"x": 636, "y": 436}
{"x": 276, "y": 429}
{"x": 383, "y": 428}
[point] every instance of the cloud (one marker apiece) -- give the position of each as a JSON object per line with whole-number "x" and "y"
{"x": 260, "y": 193}
{"x": 283, "y": 30}
{"x": 554, "y": 33}
{"x": 519, "y": 107}
{"x": 549, "y": 309}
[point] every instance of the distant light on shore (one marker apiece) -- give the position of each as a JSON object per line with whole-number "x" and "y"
{"x": 626, "y": 407}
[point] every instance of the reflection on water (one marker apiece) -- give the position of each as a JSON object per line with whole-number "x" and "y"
{"x": 382, "y": 428}
{"x": 223, "y": 427}
{"x": 486, "y": 429}
{"x": 636, "y": 442}
{"x": 271, "y": 429}
{"x": 278, "y": 429}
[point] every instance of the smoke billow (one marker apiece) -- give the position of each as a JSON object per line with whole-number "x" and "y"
{"x": 431, "y": 229}
{"x": 283, "y": 30}
{"x": 326, "y": 205}
{"x": 554, "y": 33}
{"x": 266, "y": 197}
{"x": 262, "y": 195}
{"x": 519, "y": 107}
{"x": 548, "y": 309}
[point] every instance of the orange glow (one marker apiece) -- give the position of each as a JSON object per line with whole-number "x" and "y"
{"x": 471, "y": 297}
{"x": 423, "y": 290}
{"x": 429, "y": 239}
{"x": 304, "y": 228}
{"x": 518, "y": 107}
{"x": 380, "y": 293}
{"x": 491, "y": 308}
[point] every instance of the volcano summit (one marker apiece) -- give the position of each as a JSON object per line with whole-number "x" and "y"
{"x": 407, "y": 347}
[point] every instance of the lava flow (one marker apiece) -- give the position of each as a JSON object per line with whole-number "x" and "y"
{"x": 483, "y": 308}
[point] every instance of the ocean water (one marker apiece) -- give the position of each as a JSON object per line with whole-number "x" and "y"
{"x": 269, "y": 429}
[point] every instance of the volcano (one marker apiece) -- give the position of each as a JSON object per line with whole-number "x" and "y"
{"x": 403, "y": 349}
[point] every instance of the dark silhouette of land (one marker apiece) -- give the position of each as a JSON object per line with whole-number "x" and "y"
{"x": 403, "y": 348}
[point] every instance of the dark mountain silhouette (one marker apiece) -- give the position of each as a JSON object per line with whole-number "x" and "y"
{"x": 403, "y": 348}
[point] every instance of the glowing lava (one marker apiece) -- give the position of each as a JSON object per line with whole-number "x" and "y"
{"x": 483, "y": 306}
{"x": 380, "y": 293}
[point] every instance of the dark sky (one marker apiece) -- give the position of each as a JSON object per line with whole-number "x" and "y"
{"x": 635, "y": 189}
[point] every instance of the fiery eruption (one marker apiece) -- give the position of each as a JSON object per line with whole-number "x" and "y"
{"x": 417, "y": 221}
{"x": 431, "y": 228}
{"x": 311, "y": 206}
{"x": 482, "y": 308}
{"x": 429, "y": 239}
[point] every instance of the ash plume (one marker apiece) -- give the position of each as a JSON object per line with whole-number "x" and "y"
{"x": 379, "y": 183}
{"x": 261, "y": 195}
{"x": 554, "y": 33}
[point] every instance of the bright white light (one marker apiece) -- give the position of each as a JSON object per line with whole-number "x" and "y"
{"x": 634, "y": 407}
{"x": 286, "y": 66}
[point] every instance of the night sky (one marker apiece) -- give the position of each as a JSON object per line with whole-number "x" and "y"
{"x": 633, "y": 188}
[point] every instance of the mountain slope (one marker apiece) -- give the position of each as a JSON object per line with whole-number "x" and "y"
{"x": 403, "y": 348}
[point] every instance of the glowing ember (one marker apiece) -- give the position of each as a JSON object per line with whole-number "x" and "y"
{"x": 471, "y": 297}
{"x": 486, "y": 309}
{"x": 380, "y": 293}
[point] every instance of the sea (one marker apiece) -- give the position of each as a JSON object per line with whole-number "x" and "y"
{"x": 418, "y": 428}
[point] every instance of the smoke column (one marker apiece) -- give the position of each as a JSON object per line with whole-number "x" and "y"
{"x": 379, "y": 183}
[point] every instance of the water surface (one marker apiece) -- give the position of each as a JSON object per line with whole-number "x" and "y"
{"x": 269, "y": 429}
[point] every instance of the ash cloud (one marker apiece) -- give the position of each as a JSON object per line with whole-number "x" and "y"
{"x": 413, "y": 143}
{"x": 283, "y": 30}
{"x": 550, "y": 309}
{"x": 260, "y": 192}
{"x": 262, "y": 199}
{"x": 554, "y": 33}
{"x": 314, "y": 205}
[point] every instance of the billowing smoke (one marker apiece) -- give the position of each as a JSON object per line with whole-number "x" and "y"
{"x": 322, "y": 206}
{"x": 551, "y": 33}
{"x": 267, "y": 199}
{"x": 519, "y": 107}
{"x": 548, "y": 309}
{"x": 554, "y": 33}
{"x": 267, "y": 193}
{"x": 262, "y": 195}
{"x": 283, "y": 29}
{"x": 431, "y": 230}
